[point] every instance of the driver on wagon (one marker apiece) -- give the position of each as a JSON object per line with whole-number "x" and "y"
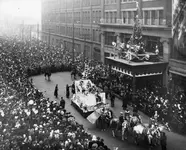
{"x": 121, "y": 118}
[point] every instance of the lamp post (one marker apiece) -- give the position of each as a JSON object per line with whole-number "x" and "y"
{"x": 84, "y": 36}
{"x": 73, "y": 32}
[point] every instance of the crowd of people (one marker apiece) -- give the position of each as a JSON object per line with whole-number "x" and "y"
{"x": 28, "y": 120}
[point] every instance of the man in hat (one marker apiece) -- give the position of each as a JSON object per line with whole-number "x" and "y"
{"x": 62, "y": 103}
{"x": 56, "y": 91}
{"x": 93, "y": 142}
{"x": 121, "y": 119}
{"x": 127, "y": 113}
{"x": 67, "y": 91}
{"x": 112, "y": 99}
{"x": 163, "y": 141}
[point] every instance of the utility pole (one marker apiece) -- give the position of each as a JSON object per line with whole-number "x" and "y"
{"x": 23, "y": 31}
{"x": 91, "y": 30}
{"x": 73, "y": 32}
{"x": 38, "y": 32}
{"x": 84, "y": 52}
{"x": 30, "y": 35}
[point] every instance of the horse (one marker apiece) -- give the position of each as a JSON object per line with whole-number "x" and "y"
{"x": 151, "y": 136}
{"x": 48, "y": 75}
{"x": 134, "y": 120}
{"x": 140, "y": 133}
{"x": 125, "y": 129}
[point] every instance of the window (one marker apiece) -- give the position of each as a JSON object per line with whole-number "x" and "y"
{"x": 99, "y": 33}
{"x": 99, "y": 17}
{"x": 124, "y": 16}
{"x": 135, "y": 14}
{"x": 106, "y": 17}
{"x": 110, "y": 19}
{"x": 114, "y": 17}
{"x": 93, "y": 16}
{"x": 146, "y": 17}
{"x": 129, "y": 17}
{"x": 154, "y": 17}
{"x": 161, "y": 17}
{"x": 151, "y": 43}
{"x": 94, "y": 35}
{"x": 109, "y": 38}
{"x": 88, "y": 18}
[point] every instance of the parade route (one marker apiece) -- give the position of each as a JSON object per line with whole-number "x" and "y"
{"x": 174, "y": 141}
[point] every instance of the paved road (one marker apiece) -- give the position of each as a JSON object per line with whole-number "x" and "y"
{"x": 175, "y": 141}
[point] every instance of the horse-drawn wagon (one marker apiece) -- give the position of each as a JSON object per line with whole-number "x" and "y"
{"x": 132, "y": 129}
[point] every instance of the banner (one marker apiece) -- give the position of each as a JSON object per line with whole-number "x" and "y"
{"x": 93, "y": 117}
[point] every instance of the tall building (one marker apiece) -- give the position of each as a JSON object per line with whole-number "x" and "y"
{"x": 97, "y": 23}
{"x": 63, "y": 19}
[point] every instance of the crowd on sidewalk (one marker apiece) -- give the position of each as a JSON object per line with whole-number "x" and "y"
{"x": 28, "y": 121}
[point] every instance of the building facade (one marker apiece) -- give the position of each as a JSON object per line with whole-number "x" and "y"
{"x": 64, "y": 19}
{"x": 95, "y": 24}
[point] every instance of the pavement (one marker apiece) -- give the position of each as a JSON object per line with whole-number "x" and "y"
{"x": 174, "y": 140}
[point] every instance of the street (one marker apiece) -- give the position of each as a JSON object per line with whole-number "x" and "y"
{"x": 174, "y": 141}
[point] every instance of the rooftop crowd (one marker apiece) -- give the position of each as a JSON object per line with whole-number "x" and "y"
{"x": 28, "y": 120}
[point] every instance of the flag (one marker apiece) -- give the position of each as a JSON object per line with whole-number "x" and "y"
{"x": 93, "y": 117}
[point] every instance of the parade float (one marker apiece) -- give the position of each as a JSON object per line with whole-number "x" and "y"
{"x": 87, "y": 98}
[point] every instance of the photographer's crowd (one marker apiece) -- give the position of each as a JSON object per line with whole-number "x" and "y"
{"x": 28, "y": 121}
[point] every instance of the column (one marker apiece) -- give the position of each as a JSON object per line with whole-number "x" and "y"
{"x": 133, "y": 87}
{"x": 140, "y": 9}
{"x": 81, "y": 17}
{"x": 102, "y": 9}
{"x": 118, "y": 11}
{"x": 102, "y": 47}
{"x": 166, "y": 56}
{"x": 165, "y": 11}
{"x": 166, "y": 49}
